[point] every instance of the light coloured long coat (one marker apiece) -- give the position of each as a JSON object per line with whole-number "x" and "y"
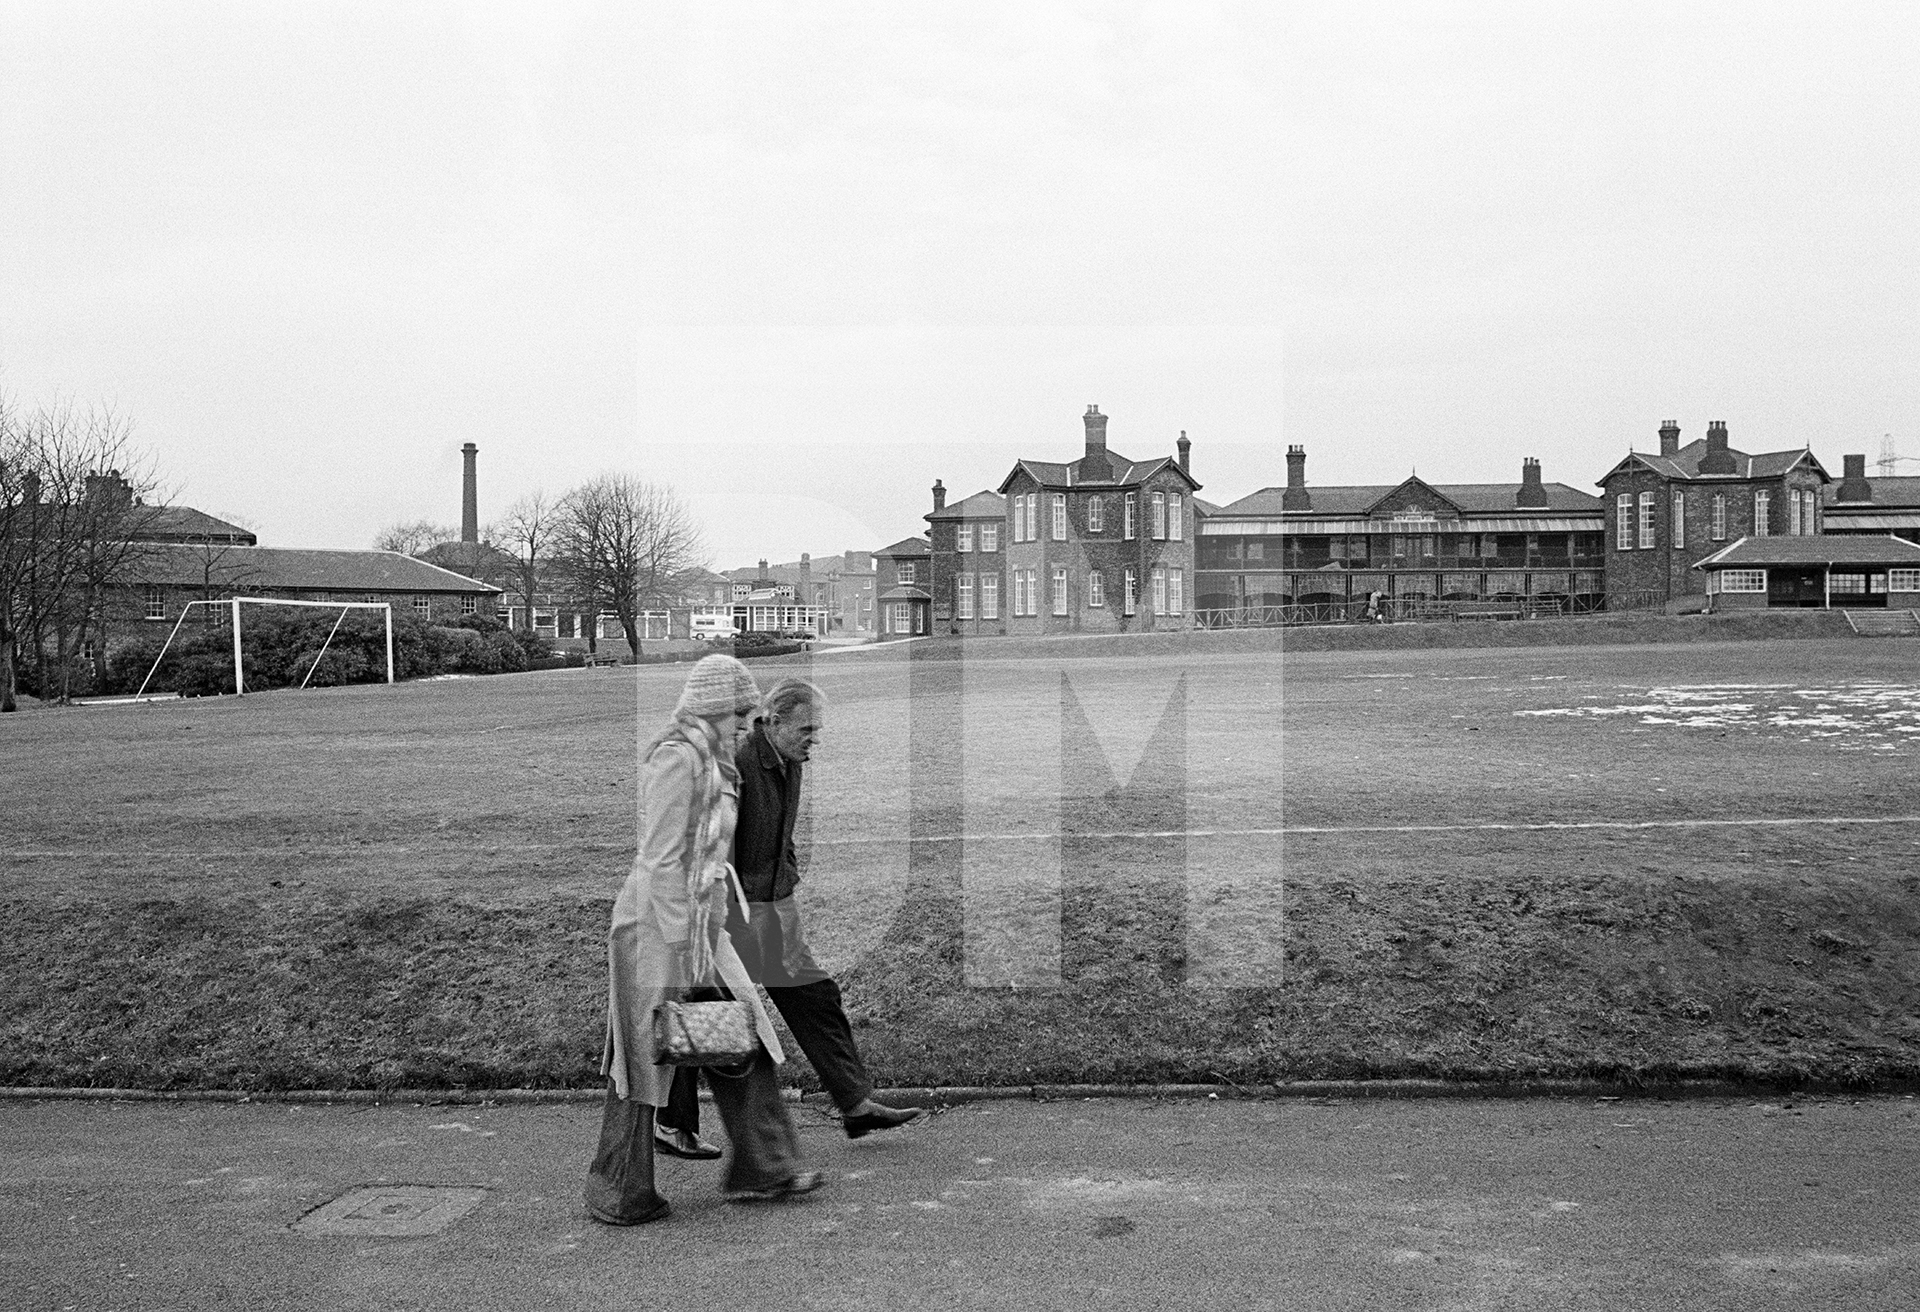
{"x": 677, "y": 890}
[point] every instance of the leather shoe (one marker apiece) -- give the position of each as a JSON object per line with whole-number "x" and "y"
{"x": 803, "y": 1183}
{"x": 880, "y": 1118}
{"x": 683, "y": 1143}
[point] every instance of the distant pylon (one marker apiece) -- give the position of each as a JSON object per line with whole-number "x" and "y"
{"x": 1888, "y": 460}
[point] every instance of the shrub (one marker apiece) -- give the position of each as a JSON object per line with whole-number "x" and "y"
{"x": 763, "y": 644}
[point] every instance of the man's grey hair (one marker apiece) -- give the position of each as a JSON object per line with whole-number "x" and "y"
{"x": 788, "y": 696}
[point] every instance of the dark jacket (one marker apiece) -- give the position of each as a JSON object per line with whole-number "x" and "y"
{"x": 763, "y": 853}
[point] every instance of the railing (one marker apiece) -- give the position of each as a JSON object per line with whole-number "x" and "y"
{"x": 1390, "y": 610}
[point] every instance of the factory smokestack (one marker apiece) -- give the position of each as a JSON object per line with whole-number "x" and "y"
{"x": 470, "y": 499}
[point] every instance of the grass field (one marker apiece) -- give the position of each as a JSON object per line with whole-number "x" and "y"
{"x": 1209, "y": 862}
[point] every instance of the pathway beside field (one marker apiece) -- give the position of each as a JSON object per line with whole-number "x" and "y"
{"x": 1166, "y": 1205}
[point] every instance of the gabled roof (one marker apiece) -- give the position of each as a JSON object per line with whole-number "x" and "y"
{"x": 905, "y": 592}
{"x": 981, "y": 505}
{"x": 1685, "y": 463}
{"x": 1126, "y": 473}
{"x": 1470, "y": 498}
{"x": 1756, "y": 553}
{"x": 267, "y": 569}
{"x": 1419, "y": 487}
{"x": 1888, "y": 493}
{"x": 906, "y": 547}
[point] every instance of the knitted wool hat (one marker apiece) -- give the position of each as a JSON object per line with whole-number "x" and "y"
{"x": 717, "y": 685}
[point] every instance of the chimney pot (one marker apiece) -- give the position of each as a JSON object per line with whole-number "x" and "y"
{"x": 939, "y": 495}
{"x": 1669, "y": 438}
{"x": 1186, "y": 452}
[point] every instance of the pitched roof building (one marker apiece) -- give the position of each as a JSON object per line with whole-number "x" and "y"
{"x": 1673, "y": 507}
{"x": 1324, "y": 552}
{"x": 1101, "y": 544}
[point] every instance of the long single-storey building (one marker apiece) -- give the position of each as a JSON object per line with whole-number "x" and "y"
{"x": 1853, "y": 572}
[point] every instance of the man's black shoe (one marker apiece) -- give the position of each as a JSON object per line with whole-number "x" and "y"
{"x": 880, "y": 1118}
{"x": 684, "y": 1143}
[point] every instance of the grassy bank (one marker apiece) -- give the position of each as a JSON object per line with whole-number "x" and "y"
{"x": 1633, "y": 861}
{"x": 1633, "y": 975}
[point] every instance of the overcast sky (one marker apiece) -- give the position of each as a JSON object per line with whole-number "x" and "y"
{"x": 798, "y": 261}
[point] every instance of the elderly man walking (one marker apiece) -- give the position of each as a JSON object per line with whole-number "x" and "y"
{"x": 769, "y": 939}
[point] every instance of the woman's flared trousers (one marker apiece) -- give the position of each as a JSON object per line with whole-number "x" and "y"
{"x": 765, "y": 1147}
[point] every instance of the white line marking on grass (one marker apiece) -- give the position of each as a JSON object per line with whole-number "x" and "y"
{"x": 1770, "y": 822}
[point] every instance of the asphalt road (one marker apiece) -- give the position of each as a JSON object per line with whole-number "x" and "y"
{"x": 1165, "y": 1205}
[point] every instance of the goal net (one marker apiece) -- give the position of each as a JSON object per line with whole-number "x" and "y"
{"x": 236, "y": 605}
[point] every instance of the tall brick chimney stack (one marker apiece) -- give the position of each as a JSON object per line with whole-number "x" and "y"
{"x": 1296, "y": 497}
{"x": 470, "y": 498}
{"x": 1096, "y": 431}
{"x": 939, "y": 495}
{"x": 1186, "y": 449}
{"x": 1853, "y": 479}
{"x": 1719, "y": 458}
{"x": 1669, "y": 439}
{"x": 1532, "y": 492}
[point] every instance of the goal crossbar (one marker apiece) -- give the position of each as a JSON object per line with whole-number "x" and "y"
{"x": 239, "y": 674}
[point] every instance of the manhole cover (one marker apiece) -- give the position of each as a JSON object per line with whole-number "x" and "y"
{"x": 392, "y": 1209}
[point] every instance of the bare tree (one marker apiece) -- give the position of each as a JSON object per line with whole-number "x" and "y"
{"x": 525, "y": 534}
{"x": 628, "y": 544}
{"x": 415, "y": 538}
{"x": 74, "y": 504}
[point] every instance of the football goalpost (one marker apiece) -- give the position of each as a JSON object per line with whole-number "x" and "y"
{"x": 239, "y": 671}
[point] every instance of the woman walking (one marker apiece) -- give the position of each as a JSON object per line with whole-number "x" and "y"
{"x": 669, "y": 937}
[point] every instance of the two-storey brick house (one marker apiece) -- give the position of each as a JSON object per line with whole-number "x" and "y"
{"x": 903, "y": 606}
{"x": 1668, "y": 511}
{"x": 1102, "y": 544}
{"x": 968, "y": 578}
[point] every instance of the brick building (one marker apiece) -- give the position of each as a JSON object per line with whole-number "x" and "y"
{"x": 1847, "y": 571}
{"x": 903, "y": 603}
{"x": 1667, "y": 511}
{"x": 165, "y": 576}
{"x": 1102, "y": 544}
{"x": 968, "y": 563}
{"x": 1301, "y": 552}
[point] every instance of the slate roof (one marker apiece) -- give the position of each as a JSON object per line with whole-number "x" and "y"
{"x": 1471, "y": 498}
{"x": 906, "y": 547}
{"x": 1685, "y": 463}
{"x": 185, "y": 524}
{"x": 1887, "y": 493}
{"x": 981, "y": 505}
{"x": 270, "y": 569}
{"x": 1756, "y": 553}
{"x": 1050, "y": 473}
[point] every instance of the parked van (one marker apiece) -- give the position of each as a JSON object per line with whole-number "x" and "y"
{"x": 710, "y": 628}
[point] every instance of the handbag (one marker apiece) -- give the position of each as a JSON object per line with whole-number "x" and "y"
{"x": 704, "y": 1034}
